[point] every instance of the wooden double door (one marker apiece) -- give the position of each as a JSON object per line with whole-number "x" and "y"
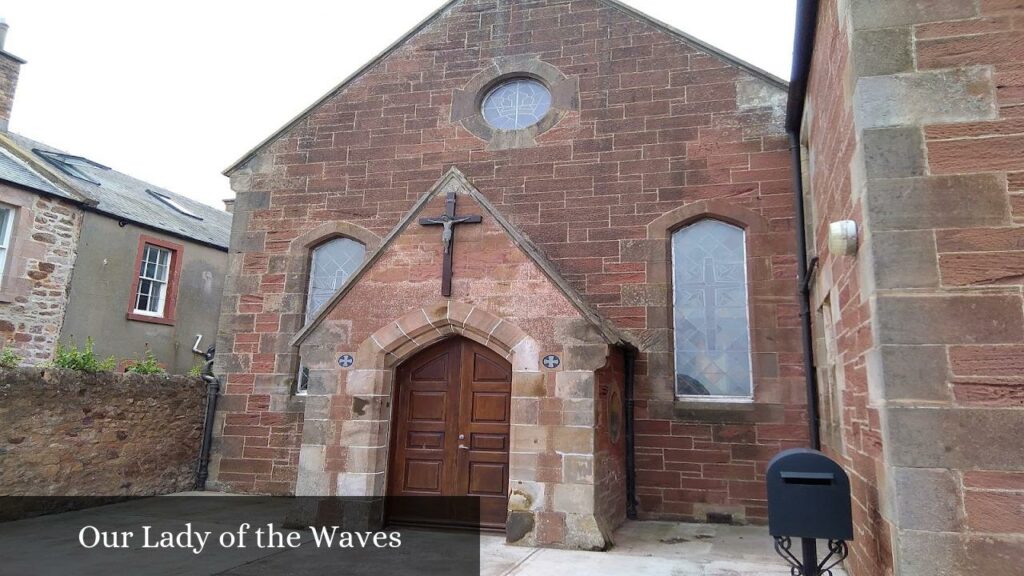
{"x": 451, "y": 430}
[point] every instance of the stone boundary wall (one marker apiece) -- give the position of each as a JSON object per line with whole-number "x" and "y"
{"x": 71, "y": 433}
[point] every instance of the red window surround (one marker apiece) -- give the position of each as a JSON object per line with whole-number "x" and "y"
{"x": 172, "y": 281}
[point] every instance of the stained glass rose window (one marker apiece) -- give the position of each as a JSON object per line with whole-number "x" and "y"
{"x": 516, "y": 104}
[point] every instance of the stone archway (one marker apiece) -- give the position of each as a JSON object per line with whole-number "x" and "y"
{"x": 554, "y": 466}
{"x": 371, "y": 386}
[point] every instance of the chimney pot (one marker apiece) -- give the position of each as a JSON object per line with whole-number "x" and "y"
{"x": 229, "y": 205}
{"x": 3, "y": 32}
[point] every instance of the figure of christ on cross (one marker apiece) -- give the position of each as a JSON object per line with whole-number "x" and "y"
{"x": 448, "y": 220}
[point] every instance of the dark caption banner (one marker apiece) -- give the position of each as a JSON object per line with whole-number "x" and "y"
{"x": 238, "y": 536}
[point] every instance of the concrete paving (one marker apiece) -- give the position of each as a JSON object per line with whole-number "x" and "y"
{"x": 651, "y": 549}
{"x": 49, "y": 545}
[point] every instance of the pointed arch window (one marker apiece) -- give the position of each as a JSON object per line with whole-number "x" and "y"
{"x": 710, "y": 311}
{"x": 331, "y": 265}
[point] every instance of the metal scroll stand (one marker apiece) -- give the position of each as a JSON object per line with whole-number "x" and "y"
{"x": 837, "y": 552}
{"x": 809, "y": 499}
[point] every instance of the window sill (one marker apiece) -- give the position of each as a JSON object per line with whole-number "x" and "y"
{"x": 151, "y": 319}
{"x": 737, "y": 410}
{"x": 714, "y": 401}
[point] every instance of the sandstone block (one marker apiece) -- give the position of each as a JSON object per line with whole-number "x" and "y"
{"x": 572, "y": 440}
{"x": 894, "y": 152}
{"x": 529, "y": 384}
{"x": 574, "y": 498}
{"x": 909, "y": 372}
{"x": 949, "y": 319}
{"x": 885, "y": 14}
{"x": 956, "y": 438}
{"x": 883, "y": 51}
{"x": 904, "y": 259}
{"x": 932, "y": 97}
{"x": 311, "y": 458}
{"x": 927, "y": 499}
{"x": 967, "y": 201}
{"x": 574, "y": 384}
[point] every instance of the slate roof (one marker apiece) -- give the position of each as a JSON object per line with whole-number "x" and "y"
{"x": 16, "y": 171}
{"x": 124, "y": 197}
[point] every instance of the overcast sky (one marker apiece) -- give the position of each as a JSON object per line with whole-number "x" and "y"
{"x": 173, "y": 92}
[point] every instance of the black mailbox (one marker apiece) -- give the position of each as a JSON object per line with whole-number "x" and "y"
{"x": 808, "y": 496}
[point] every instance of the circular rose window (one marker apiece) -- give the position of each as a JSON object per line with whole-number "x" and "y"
{"x": 516, "y": 104}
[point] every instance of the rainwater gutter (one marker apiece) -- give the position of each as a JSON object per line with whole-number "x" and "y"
{"x": 212, "y": 391}
{"x": 803, "y": 51}
{"x": 629, "y": 356}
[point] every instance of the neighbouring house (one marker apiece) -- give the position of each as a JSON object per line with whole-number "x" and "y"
{"x": 530, "y": 238}
{"x": 908, "y": 116}
{"x": 90, "y": 252}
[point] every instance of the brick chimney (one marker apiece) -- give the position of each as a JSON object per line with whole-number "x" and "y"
{"x": 10, "y": 65}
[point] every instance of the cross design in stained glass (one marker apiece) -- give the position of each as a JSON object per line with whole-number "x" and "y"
{"x": 332, "y": 265}
{"x": 516, "y": 104}
{"x": 712, "y": 328}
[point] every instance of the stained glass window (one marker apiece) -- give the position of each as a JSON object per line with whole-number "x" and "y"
{"x": 712, "y": 328}
{"x": 516, "y": 104}
{"x": 332, "y": 264}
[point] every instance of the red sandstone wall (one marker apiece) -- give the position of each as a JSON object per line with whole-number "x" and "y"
{"x": 846, "y": 413}
{"x": 610, "y": 453}
{"x": 661, "y": 124}
{"x": 978, "y": 260}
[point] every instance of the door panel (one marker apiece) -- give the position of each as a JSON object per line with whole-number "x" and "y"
{"x": 427, "y": 398}
{"x": 490, "y": 407}
{"x": 484, "y": 420}
{"x": 451, "y": 427}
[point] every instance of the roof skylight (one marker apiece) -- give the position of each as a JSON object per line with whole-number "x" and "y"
{"x": 70, "y": 165}
{"x": 173, "y": 204}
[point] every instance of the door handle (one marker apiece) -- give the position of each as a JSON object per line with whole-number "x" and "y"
{"x": 463, "y": 447}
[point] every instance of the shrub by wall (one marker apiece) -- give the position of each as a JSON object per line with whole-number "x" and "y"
{"x": 71, "y": 433}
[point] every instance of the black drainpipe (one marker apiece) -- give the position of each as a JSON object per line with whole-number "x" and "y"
{"x": 212, "y": 391}
{"x": 629, "y": 355}
{"x": 803, "y": 49}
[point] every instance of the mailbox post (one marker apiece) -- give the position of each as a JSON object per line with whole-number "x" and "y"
{"x": 809, "y": 498}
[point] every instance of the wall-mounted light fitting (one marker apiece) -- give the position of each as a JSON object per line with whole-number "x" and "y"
{"x": 842, "y": 238}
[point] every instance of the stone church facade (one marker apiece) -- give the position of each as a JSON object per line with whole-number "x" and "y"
{"x": 653, "y": 191}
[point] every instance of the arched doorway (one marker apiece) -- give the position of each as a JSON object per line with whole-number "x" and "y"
{"x": 450, "y": 434}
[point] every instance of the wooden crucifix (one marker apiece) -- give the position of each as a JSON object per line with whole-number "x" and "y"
{"x": 448, "y": 220}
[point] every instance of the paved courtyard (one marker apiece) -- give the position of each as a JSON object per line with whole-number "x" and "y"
{"x": 651, "y": 549}
{"x": 48, "y": 545}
